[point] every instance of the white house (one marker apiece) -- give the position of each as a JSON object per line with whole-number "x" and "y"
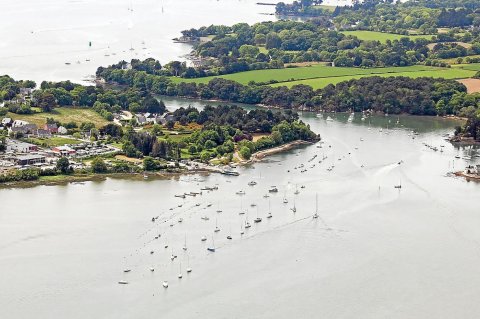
{"x": 62, "y": 130}
{"x": 19, "y": 123}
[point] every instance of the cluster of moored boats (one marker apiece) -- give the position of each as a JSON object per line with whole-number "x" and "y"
{"x": 245, "y": 225}
{"x": 245, "y": 222}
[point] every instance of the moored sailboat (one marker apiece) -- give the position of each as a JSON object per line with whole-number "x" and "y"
{"x": 212, "y": 248}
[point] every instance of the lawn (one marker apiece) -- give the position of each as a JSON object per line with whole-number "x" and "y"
{"x": 175, "y": 137}
{"x": 53, "y": 141}
{"x": 64, "y": 115}
{"x": 382, "y": 36}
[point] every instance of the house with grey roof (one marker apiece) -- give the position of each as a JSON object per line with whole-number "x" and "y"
{"x": 30, "y": 159}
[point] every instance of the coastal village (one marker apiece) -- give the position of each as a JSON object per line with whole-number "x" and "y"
{"x": 20, "y": 154}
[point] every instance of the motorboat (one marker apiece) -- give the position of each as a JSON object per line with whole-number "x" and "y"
{"x": 273, "y": 189}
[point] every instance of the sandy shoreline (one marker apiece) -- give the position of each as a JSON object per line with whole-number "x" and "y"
{"x": 468, "y": 177}
{"x": 258, "y": 156}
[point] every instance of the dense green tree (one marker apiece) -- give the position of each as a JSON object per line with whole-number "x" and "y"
{"x": 98, "y": 165}
{"x": 149, "y": 164}
{"x": 245, "y": 152}
{"x": 63, "y": 165}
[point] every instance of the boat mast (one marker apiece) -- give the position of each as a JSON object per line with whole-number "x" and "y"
{"x": 316, "y": 206}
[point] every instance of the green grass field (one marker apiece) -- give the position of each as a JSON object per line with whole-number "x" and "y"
{"x": 453, "y": 61}
{"x": 175, "y": 137}
{"x": 327, "y": 7}
{"x": 383, "y": 37}
{"x": 53, "y": 141}
{"x": 453, "y": 73}
{"x": 64, "y": 115}
{"x": 470, "y": 67}
{"x": 302, "y": 73}
{"x": 319, "y": 76}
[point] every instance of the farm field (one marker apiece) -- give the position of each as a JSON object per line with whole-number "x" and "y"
{"x": 63, "y": 115}
{"x": 463, "y": 44}
{"x": 453, "y": 73}
{"x": 473, "y": 85}
{"x": 319, "y": 76}
{"x": 303, "y": 73}
{"x": 453, "y": 61}
{"x": 471, "y": 67}
{"x": 382, "y": 36}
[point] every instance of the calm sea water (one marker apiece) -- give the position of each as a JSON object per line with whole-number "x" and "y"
{"x": 39, "y": 37}
{"x": 375, "y": 251}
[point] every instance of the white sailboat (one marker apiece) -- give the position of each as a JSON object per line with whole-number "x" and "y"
{"x": 180, "y": 276}
{"x": 294, "y": 208}
{"x": 189, "y": 270}
{"x": 269, "y": 211}
{"x": 258, "y": 219}
{"x": 165, "y": 284}
{"x": 185, "y": 243}
{"x": 216, "y": 226}
{"x": 399, "y": 185}
{"x": 229, "y": 236}
{"x": 212, "y": 248}
{"x": 242, "y": 212}
{"x": 316, "y": 207}
{"x": 247, "y": 223}
{"x": 351, "y": 117}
